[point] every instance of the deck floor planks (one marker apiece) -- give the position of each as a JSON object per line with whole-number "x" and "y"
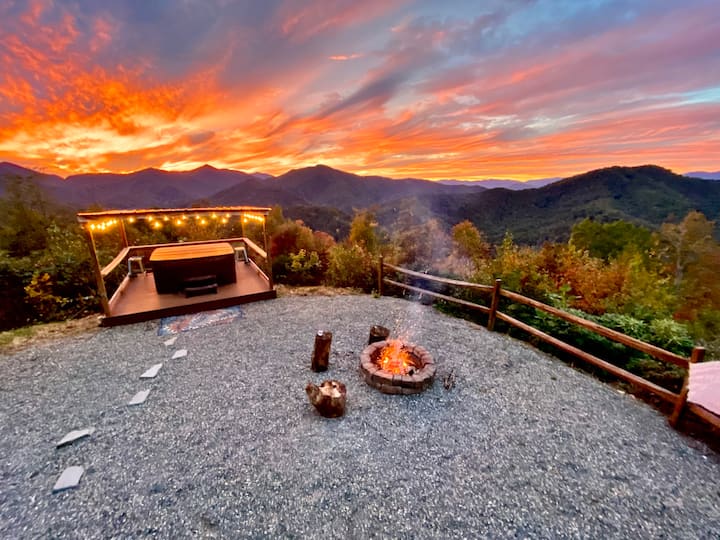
{"x": 139, "y": 301}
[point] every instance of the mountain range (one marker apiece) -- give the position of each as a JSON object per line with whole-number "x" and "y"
{"x": 325, "y": 198}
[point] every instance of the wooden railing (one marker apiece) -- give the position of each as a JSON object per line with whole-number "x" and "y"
{"x": 496, "y": 292}
{"x": 145, "y": 250}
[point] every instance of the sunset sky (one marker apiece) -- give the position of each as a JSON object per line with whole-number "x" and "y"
{"x": 405, "y": 88}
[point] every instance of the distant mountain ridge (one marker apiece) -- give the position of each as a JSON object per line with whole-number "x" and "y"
{"x": 147, "y": 188}
{"x": 505, "y": 183}
{"x": 151, "y": 187}
{"x": 325, "y": 198}
{"x": 705, "y": 175}
{"x": 647, "y": 195}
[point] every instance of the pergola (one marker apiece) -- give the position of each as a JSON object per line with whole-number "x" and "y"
{"x": 136, "y": 299}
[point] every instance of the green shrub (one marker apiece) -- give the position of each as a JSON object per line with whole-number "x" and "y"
{"x": 350, "y": 266}
{"x": 671, "y": 335}
{"x": 304, "y": 268}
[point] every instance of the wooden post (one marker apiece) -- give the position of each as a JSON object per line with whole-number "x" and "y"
{"x": 268, "y": 259}
{"x": 321, "y": 352}
{"x": 123, "y": 233}
{"x": 378, "y": 333}
{"x": 102, "y": 292}
{"x": 380, "y": 275}
{"x": 698, "y": 355}
{"x": 494, "y": 302}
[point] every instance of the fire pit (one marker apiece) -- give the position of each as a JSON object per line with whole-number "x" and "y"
{"x": 395, "y": 367}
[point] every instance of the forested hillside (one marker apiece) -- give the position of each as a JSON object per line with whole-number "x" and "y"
{"x": 326, "y": 198}
{"x": 645, "y": 195}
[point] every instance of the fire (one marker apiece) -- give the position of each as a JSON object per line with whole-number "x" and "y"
{"x": 396, "y": 359}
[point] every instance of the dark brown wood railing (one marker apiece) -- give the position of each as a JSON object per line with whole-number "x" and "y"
{"x": 496, "y": 292}
{"x": 145, "y": 250}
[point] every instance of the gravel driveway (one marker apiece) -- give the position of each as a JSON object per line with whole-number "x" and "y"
{"x": 228, "y": 446}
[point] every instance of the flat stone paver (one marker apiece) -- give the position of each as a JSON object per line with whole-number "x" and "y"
{"x": 69, "y": 478}
{"x": 170, "y": 342}
{"x": 152, "y": 372}
{"x": 181, "y": 353}
{"x": 139, "y": 398}
{"x": 75, "y": 435}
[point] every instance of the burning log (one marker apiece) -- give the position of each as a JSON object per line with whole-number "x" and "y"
{"x": 321, "y": 352}
{"x": 328, "y": 398}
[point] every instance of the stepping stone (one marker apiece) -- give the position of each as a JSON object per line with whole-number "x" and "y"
{"x": 69, "y": 478}
{"x": 179, "y": 354}
{"x": 152, "y": 372}
{"x": 139, "y": 398}
{"x": 74, "y": 436}
{"x": 170, "y": 342}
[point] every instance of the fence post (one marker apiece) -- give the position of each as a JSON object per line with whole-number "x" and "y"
{"x": 494, "y": 302}
{"x": 380, "y": 275}
{"x": 698, "y": 355}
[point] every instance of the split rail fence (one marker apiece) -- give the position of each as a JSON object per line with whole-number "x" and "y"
{"x": 496, "y": 292}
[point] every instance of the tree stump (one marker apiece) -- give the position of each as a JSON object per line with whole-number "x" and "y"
{"x": 321, "y": 351}
{"x": 378, "y": 333}
{"x": 328, "y": 398}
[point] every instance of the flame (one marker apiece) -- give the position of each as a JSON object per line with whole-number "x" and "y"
{"x": 395, "y": 359}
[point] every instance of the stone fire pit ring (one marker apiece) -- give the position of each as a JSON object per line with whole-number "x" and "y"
{"x": 390, "y": 383}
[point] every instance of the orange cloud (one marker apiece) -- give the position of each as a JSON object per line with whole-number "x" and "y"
{"x": 108, "y": 90}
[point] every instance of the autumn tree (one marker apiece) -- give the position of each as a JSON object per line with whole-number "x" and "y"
{"x": 423, "y": 246}
{"x": 608, "y": 240}
{"x": 692, "y": 258}
{"x": 25, "y": 218}
{"x": 363, "y": 232}
{"x": 352, "y": 262}
{"x": 469, "y": 245}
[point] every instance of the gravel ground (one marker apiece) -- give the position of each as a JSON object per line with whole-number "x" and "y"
{"x": 228, "y": 446}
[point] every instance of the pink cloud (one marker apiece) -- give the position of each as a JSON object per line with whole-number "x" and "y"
{"x": 344, "y": 57}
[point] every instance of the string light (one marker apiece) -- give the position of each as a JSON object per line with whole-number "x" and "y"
{"x": 157, "y": 222}
{"x": 253, "y": 217}
{"x": 101, "y": 226}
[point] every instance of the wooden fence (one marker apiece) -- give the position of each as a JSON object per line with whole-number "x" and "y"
{"x": 496, "y": 292}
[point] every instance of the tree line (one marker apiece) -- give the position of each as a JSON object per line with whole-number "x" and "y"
{"x": 658, "y": 285}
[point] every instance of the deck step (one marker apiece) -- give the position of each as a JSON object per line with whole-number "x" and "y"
{"x": 210, "y": 288}
{"x": 199, "y": 281}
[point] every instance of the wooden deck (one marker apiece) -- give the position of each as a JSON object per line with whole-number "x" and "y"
{"x": 137, "y": 300}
